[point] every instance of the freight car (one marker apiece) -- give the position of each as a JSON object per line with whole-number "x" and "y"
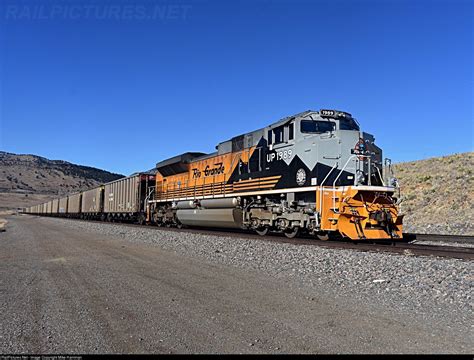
{"x": 74, "y": 205}
{"x": 314, "y": 172}
{"x": 55, "y": 207}
{"x": 92, "y": 205}
{"x": 120, "y": 200}
{"x": 63, "y": 204}
{"x": 125, "y": 199}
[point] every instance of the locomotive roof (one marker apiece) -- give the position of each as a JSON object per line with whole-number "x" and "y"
{"x": 177, "y": 164}
{"x": 275, "y": 124}
{"x": 284, "y": 120}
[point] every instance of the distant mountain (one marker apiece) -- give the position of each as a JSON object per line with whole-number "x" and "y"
{"x": 438, "y": 194}
{"x": 28, "y": 174}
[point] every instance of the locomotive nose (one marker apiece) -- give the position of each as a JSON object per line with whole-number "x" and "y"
{"x": 371, "y": 162}
{"x": 372, "y": 150}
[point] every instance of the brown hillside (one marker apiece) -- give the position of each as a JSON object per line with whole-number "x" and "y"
{"x": 438, "y": 194}
{"x": 29, "y": 179}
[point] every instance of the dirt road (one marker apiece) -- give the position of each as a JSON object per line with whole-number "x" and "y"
{"x": 64, "y": 291}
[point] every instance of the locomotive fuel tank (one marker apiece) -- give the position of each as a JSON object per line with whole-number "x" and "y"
{"x": 221, "y": 213}
{"x": 220, "y": 218}
{"x": 220, "y": 203}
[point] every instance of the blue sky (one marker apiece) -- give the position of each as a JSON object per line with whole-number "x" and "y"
{"x": 122, "y": 85}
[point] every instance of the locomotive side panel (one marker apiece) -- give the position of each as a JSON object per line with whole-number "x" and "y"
{"x": 207, "y": 177}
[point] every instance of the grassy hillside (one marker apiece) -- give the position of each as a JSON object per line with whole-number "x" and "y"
{"x": 438, "y": 194}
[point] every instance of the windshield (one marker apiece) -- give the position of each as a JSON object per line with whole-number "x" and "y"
{"x": 314, "y": 127}
{"x": 348, "y": 124}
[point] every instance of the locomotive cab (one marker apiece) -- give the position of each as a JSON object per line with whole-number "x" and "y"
{"x": 335, "y": 168}
{"x": 322, "y": 141}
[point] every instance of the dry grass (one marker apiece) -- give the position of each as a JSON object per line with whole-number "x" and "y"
{"x": 438, "y": 194}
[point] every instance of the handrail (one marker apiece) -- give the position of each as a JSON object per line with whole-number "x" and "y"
{"x": 369, "y": 171}
{"x": 321, "y": 189}
{"x": 380, "y": 175}
{"x": 151, "y": 190}
{"x": 203, "y": 186}
{"x": 339, "y": 175}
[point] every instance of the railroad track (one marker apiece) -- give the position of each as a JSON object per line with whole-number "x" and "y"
{"x": 461, "y": 239}
{"x": 408, "y": 247}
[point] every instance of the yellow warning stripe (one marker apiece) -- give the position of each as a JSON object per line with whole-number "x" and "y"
{"x": 258, "y": 179}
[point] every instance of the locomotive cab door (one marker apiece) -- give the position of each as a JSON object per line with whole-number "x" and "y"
{"x": 280, "y": 143}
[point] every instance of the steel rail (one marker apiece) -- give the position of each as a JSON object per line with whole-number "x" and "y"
{"x": 462, "y": 239}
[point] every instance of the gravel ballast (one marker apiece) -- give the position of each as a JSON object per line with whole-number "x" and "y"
{"x": 435, "y": 290}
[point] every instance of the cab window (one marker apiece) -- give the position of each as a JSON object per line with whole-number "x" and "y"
{"x": 317, "y": 127}
{"x": 278, "y": 133}
{"x": 281, "y": 134}
{"x": 291, "y": 131}
{"x": 348, "y": 124}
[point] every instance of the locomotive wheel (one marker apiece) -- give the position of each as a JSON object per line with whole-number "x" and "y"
{"x": 290, "y": 234}
{"x": 262, "y": 231}
{"x": 142, "y": 219}
{"x": 323, "y": 236}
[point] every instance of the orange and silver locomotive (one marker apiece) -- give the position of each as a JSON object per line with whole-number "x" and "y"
{"x": 314, "y": 172}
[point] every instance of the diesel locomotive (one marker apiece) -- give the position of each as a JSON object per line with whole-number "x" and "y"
{"x": 315, "y": 172}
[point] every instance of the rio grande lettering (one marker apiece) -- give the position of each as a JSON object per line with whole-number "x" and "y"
{"x": 208, "y": 171}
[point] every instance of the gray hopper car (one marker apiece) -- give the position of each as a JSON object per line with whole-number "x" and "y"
{"x": 74, "y": 205}
{"x": 92, "y": 203}
{"x": 55, "y": 206}
{"x": 125, "y": 199}
{"x": 63, "y": 202}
